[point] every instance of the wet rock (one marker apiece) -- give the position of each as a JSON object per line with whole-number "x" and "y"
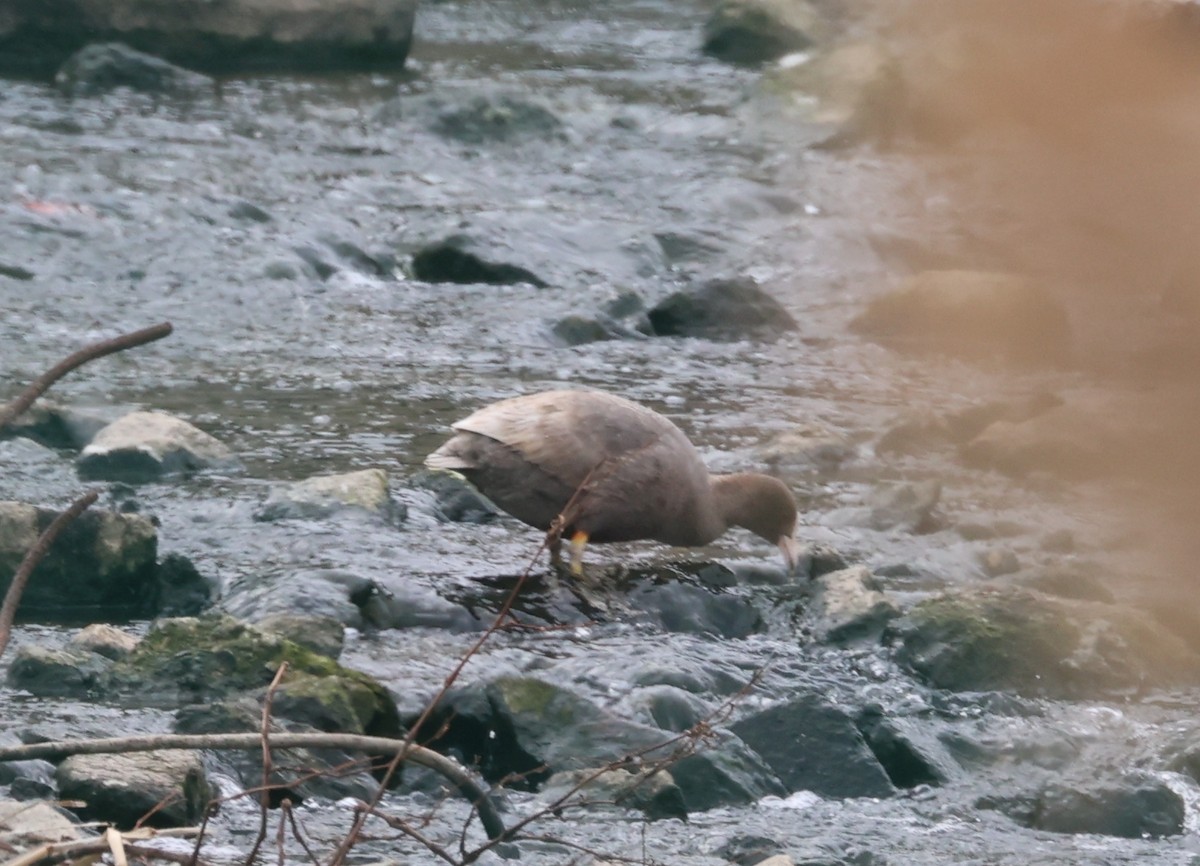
{"x": 906, "y": 507}
{"x": 454, "y": 261}
{"x": 103, "y": 561}
{"x": 248, "y": 211}
{"x": 724, "y": 772}
{"x": 418, "y": 607}
{"x": 908, "y": 750}
{"x": 16, "y": 272}
{"x": 752, "y": 32}
{"x": 56, "y": 426}
{"x": 724, "y": 310}
{"x": 692, "y": 599}
{"x": 814, "y": 746}
{"x": 324, "y": 495}
{"x": 1078, "y": 581}
{"x": 147, "y": 446}
{"x": 182, "y": 590}
{"x": 748, "y": 850}
{"x": 47, "y": 672}
{"x": 318, "y": 592}
{"x": 848, "y": 606}
{"x": 103, "y": 639}
{"x": 196, "y": 660}
{"x": 985, "y": 639}
{"x": 99, "y": 68}
{"x": 654, "y": 794}
{"x": 859, "y": 94}
{"x": 996, "y": 563}
{"x": 809, "y": 444}
{"x": 577, "y": 330}
{"x": 297, "y": 774}
{"x": 976, "y": 315}
{"x": 1133, "y": 807}
{"x": 324, "y": 635}
{"x": 965, "y": 424}
{"x": 28, "y": 825}
{"x": 490, "y": 118}
{"x": 122, "y": 789}
{"x": 457, "y": 500}
{"x": 220, "y": 37}
{"x": 667, "y": 707}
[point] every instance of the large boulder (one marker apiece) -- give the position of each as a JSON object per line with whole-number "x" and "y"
{"x": 976, "y": 315}
{"x": 147, "y": 446}
{"x": 169, "y": 786}
{"x": 1133, "y": 807}
{"x": 35, "y": 36}
{"x": 102, "y": 561}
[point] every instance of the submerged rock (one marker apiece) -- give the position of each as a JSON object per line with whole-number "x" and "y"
{"x": 977, "y": 315}
{"x": 654, "y": 793}
{"x": 169, "y": 786}
{"x": 724, "y": 310}
{"x": 102, "y": 561}
{"x": 234, "y": 35}
{"x": 488, "y": 118}
{"x": 848, "y": 605}
{"x": 751, "y": 32}
{"x": 102, "y": 67}
{"x": 147, "y": 446}
{"x": 324, "y": 495}
{"x": 454, "y": 261}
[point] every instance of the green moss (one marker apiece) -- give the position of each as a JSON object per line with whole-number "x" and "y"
{"x": 529, "y": 696}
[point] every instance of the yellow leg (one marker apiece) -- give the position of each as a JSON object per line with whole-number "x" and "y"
{"x": 578, "y": 542}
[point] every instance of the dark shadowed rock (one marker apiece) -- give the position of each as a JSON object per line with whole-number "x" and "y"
{"x": 455, "y": 499}
{"x": 1132, "y": 807}
{"x": 751, "y": 32}
{"x": 453, "y": 261}
{"x": 725, "y": 772}
{"x": 47, "y": 672}
{"x": 814, "y": 746}
{"x": 99, "y": 68}
{"x": 723, "y": 310}
{"x": 907, "y": 748}
{"x": 122, "y": 788}
{"x": 36, "y": 36}
{"x": 101, "y": 561}
{"x": 489, "y": 118}
{"x": 975, "y": 315}
{"x": 57, "y": 426}
{"x": 146, "y": 446}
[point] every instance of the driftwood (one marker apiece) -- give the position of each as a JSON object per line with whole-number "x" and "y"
{"x": 25, "y": 399}
{"x": 493, "y": 825}
{"x": 12, "y": 598}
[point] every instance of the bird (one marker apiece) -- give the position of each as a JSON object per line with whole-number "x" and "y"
{"x": 590, "y": 466}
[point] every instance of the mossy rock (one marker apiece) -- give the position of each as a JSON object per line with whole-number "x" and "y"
{"x": 1034, "y": 644}
{"x": 200, "y": 659}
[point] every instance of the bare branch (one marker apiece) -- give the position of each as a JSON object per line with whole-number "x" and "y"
{"x": 264, "y": 797}
{"x": 12, "y": 598}
{"x": 38, "y": 387}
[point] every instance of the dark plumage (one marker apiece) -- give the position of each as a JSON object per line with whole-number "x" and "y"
{"x": 637, "y": 475}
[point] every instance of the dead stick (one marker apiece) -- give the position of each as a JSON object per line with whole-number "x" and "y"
{"x": 264, "y": 797}
{"x": 13, "y": 597}
{"x": 38, "y": 387}
{"x": 451, "y": 770}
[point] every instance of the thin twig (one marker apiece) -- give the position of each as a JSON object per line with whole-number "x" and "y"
{"x": 12, "y": 598}
{"x": 38, "y": 387}
{"x": 264, "y": 797}
{"x": 470, "y": 789}
{"x": 291, "y": 814}
{"x": 408, "y": 830}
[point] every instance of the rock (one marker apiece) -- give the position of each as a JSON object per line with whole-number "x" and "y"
{"x": 976, "y": 315}
{"x": 814, "y": 746}
{"x": 297, "y": 774}
{"x": 105, "y": 640}
{"x": 916, "y": 433}
{"x": 453, "y": 261}
{"x": 47, "y": 672}
{"x": 457, "y": 500}
{"x": 324, "y": 635}
{"x": 577, "y": 330}
{"x": 56, "y": 426}
{"x": 103, "y": 561}
{"x": 182, "y": 590}
{"x": 1037, "y": 645}
{"x": 908, "y": 749}
{"x": 668, "y": 707}
{"x": 996, "y": 563}
{"x": 725, "y": 310}
{"x": 170, "y": 786}
{"x": 146, "y": 446}
{"x": 102, "y": 67}
{"x": 323, "y": 495}
{"x": 752, "y": 32}
{"x": 490, "y": 119}
{"x": 848, "y": 606}
{"x": 725, "y": 772}
{"x": 906, "y": 507}
{"x": 748, "y": 850}
{"x": 1076, "y": 581}
{"x": 692, "y": 598}
{"x": 213, "y": 658}
{"x": 216, "y": 37}
{"x": 1133, "y": 807}
{"x": 809, "y": 444}
{"x": 655, "y": 793}
{"x": 29, "y": 825}
{"x": 324, "y": 593}
{"x": 413, "y": 606}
